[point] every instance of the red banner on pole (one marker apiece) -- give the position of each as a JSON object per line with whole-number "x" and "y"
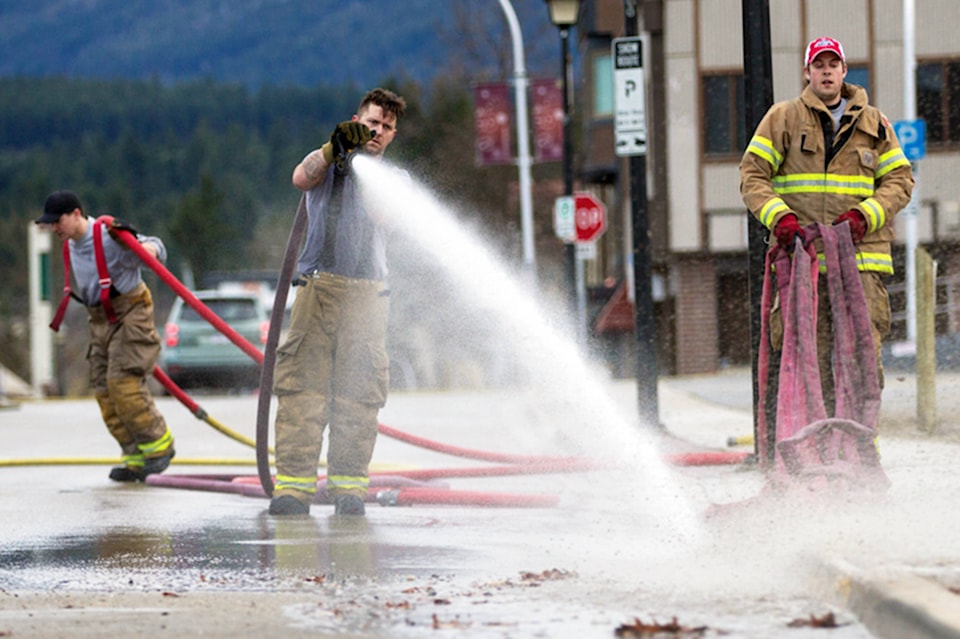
{"x": 492, "y": 122}
{"x": 547, "y": 120}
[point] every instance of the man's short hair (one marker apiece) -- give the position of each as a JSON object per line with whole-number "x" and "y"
{"x": 387, "y": 100}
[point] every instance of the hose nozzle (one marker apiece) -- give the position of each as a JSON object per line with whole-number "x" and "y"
{"x": 343, "y": 156}
{"x": 388, "y": 497}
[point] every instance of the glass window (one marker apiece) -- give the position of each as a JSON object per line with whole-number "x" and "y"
{"x": 724, "y": 128}
{"x": 227, "y": 309}
{"x": 602, "y": 86}
{"x": 859, "y": 75}
{"x": 938, "y": 100}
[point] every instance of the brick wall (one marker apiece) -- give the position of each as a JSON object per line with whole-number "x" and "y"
{"x": 696, "y": 319}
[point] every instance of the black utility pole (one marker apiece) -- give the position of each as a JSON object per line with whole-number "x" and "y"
{"x": 646, "y": 332}
{"x": 758, "y": 90}
{"x": 570, "y": 248}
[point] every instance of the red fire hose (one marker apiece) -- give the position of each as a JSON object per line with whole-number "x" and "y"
{"x": 130, "y": 240}
{"x": 395, "y": 493}
{"x": 809, "y": 441}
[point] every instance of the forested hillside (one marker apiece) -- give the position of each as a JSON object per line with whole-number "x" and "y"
{"x": 207, "y": 167}
{"x": 259, "y": 42}
{"x": 187, "y": 117}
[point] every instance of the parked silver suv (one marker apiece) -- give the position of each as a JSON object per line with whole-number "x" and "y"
{"x": 196, "y": 354}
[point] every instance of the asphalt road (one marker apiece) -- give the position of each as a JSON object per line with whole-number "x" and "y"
{"x": 625, "y": 544}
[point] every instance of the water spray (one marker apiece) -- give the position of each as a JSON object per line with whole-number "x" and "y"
{"x": 516, "y": 464}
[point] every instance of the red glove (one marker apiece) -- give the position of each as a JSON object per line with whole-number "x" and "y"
{"x": 858, "y": 225}
{"x": 787, "y": 230}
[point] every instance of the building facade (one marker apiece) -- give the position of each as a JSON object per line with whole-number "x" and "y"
{"x": 697, "y": 132}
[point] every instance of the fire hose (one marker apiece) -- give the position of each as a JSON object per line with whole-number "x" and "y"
{"x": 391, "y": 495}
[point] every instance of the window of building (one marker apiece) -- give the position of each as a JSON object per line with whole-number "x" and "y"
{"x": 938, "y": 100}
{"x": 602, "y": 86}
{"x": 724, "y": 128}
{"x": 859, "y": 75}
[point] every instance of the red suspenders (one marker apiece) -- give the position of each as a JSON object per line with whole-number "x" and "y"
{"x": 62, "y": 308}
{"x": 105, "y": 281}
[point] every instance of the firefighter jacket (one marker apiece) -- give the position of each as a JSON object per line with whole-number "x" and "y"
{"x": 796, "y": 163}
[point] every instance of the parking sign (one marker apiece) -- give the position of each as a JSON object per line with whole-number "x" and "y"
{"x": 912, "y": 135}
{"x": 630, "y": 120}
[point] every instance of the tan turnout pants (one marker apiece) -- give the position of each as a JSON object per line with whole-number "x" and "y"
{"x": 121, "y": 355}
{"x": 332, "y": 369}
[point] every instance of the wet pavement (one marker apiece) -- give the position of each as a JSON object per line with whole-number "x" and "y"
{"x": 629, "y": 543}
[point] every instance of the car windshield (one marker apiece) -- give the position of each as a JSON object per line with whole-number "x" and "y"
{"x": 229, "y": 310}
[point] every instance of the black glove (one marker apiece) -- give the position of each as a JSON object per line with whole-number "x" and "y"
{"x": 349, "y": 135}
{"x": 119, "y": 225}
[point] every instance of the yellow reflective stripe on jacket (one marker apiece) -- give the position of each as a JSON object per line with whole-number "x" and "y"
{"x": 762, "y": 147}
{"x": 346, "y": 482}
{"x": 876, "y": 262}
{"x": 873, "y": 213}
{"x": 303, "y": 484}
{"x": 858, "y": 185}
{"x": 771, "y": 209}
{"x": 157, "y": 445}
{"x": 892, "y": 159}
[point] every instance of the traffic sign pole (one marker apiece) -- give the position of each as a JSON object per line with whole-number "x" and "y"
{"x": 912, "y": 135}
{"x": 631, "y": 135}
{"x": 590, "y": 222}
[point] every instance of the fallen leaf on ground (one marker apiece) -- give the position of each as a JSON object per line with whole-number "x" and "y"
{"x": 641, "y": 630}
{"x": 826, "y": 621}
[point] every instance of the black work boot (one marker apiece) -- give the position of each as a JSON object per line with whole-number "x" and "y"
{"x": 127, "y": 474}
{"x": 287, "y": 505}
{"x": 154, "y": 465}
{"x": 348, "y": 505}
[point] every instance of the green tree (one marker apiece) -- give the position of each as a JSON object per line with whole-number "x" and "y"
{"x": 200, "y": 230}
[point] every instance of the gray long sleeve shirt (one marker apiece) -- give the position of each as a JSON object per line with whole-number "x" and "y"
{"x": 122, "y": 263}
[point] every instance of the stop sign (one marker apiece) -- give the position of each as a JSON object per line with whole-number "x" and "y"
{"x": 590, "y": 217}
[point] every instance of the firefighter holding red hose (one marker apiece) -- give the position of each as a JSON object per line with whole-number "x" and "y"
{"x": 124, "y": 342}
{"x": 830, "y": 157}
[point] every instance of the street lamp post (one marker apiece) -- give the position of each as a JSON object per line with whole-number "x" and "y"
{"x": 564, "y": 14}
{"x": 523, "y": 141}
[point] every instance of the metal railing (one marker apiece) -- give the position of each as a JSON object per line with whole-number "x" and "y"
{"x": 946, "y": 308}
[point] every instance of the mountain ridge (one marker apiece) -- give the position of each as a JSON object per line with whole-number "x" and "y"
{"x": 277, "y": 42}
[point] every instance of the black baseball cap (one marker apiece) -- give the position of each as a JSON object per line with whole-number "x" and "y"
{"x": 58, "y": 203}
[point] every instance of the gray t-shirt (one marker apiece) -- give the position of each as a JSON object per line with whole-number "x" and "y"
{"x": 342, "y": 238}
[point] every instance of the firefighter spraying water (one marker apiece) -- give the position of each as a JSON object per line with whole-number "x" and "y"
{"x": 333, "y": 368}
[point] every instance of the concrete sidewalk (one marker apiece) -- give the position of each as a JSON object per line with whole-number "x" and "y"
{"x": 913, "y": 593}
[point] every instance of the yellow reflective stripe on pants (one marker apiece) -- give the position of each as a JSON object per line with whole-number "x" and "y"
{"x": 302, "y": 484}
{"x": 157, "y": 446}
{"x": 345, "y": 482}
{"x": 133, "y": 461}
{"x": 875, "y": 262}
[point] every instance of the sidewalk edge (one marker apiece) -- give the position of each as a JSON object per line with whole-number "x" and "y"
{"x": 891, "y": 604}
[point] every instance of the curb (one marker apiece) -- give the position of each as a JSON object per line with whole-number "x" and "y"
{"x": 892, "y": 604}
